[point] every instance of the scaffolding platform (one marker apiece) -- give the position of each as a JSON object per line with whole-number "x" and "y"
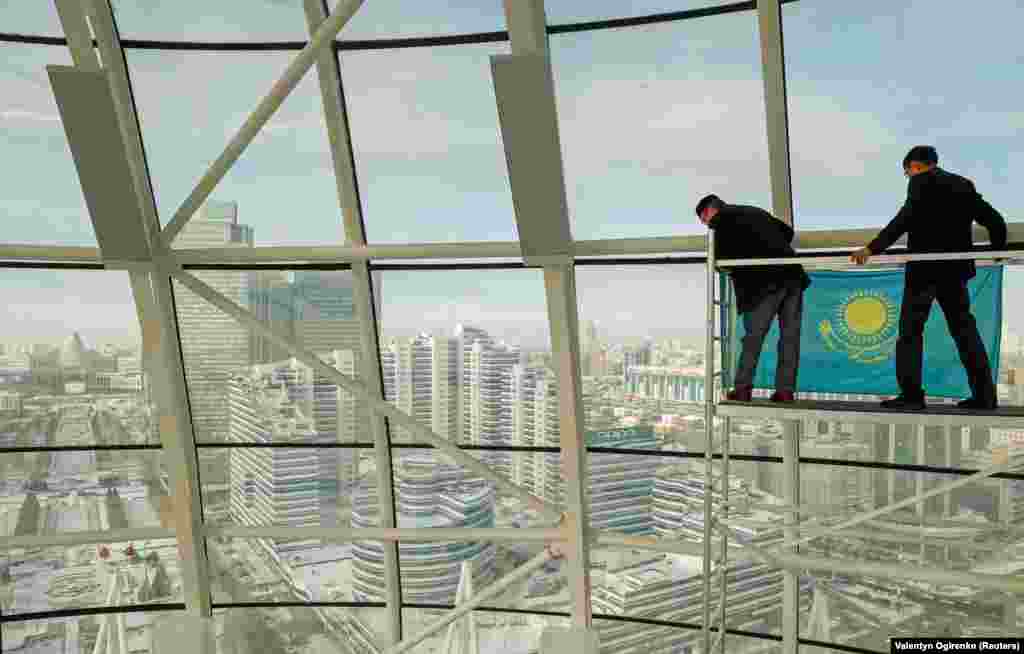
{"x": 937, "y": 415}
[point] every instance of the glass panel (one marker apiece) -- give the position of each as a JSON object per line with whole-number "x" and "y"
{"x": 282, "y": 191}
{"x": 497, "y": 632}
{"x": 659, "y": 586}
{"x": 578, "y": 11}
{"x": 633, "y": 638}
{"x": 451, "y": 345}
{"x": 55, "y": 578}
{"x": 433, "y": 571}
{"x": 1011, "y": 368}
{"x": 70, "y": 361}
{"x": 233, "y": 20}
{"x": 642, "y": 365}
{"x": 245, "y": 389}
{"x": 847, "y": 75}
{"x": 39, "y": 18}
{"x": 78, "y": 635}
{"x": 41, "y": 200}
{"x": 282, "y": 486}
{"x": 654, "y": 118}
{"x": 427, "y": 144}
{"x": 274, "y": 570}
{"x": 970, "y": 530}
{"x": 432, "y": 490}
{"x": 394, "y": 18}
{"x": 48, "y": 493}
{"x": 297, "y": 630}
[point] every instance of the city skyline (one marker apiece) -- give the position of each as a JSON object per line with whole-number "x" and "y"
{"x": 110, "y": 528}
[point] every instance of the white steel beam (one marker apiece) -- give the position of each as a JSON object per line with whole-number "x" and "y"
{"x": 47, "y": 253}
{"x": 291, "y": 77}
{"x": 882, "y": 260}
{"x": 101, "y": 18}
{"x": 76, "y": 29}
{"x": 723, "y": 553}
{"x": 329, "y": 75}
{"x": 519, "y": 574}
{"x": 560, "y": 285}
{"x": 672, "y": 245}
{"x": 791, "y": 496}
{"x": 385, "y": 534}
{"x": 936, "y": 415}
{"x": 152, "y": 295}
{"x": 694, "y": 245}
{"x": 294, "y": 347}
{"x": 160, "y": 350}
{"x": 338, "y": 133}
{"x": 527, "y": 28}
{"x": 86, "y": 537}
{"x": 773, "y": 67}
{"x": 711, "y": 308}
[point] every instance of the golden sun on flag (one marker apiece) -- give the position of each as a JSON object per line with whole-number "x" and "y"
{"x": 866, "y": 315}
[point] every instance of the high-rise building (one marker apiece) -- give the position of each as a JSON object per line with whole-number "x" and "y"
{"x": 535, "y": 419}
{"x": 213, "y": 343}
{"x": 636, "y": 356}
{"x": 485, "y": 373}
{"x": 465, "y": 338}
{"x": 421, "y": 379}
{"x": 288, "y": 402}
{"x": 428, "y": 493}
{"x": 662, "y": 383}
{"x": 590, "y": 343}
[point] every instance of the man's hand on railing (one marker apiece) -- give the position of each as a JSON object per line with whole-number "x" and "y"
{"x": 861, "y": 256}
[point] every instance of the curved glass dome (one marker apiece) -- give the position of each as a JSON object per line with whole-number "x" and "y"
{"x": 343, "y": 404}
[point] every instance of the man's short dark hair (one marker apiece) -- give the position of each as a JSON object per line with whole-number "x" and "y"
{"x": 925, "y": 154}
{"x": 709, "y": 201}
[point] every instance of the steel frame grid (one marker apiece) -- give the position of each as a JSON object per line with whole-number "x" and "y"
{"x": 89, "y": 258}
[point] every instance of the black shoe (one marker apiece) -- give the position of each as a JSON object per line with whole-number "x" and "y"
{"x": 977, "y": 405}
{"x": 901, "y": 402}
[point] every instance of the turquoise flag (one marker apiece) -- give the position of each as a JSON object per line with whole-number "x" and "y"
{"x": 849, "y": 330}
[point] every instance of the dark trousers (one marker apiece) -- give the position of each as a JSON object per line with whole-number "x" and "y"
{"x": 787, "y": 303}
{"x": 956, "y": 305}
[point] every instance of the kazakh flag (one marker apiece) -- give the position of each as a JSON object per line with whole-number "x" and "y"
{"x": 849, "y": 330}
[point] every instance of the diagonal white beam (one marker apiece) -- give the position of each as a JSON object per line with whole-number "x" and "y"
{"x": 910, "y": 501}
{"x": 295, "y": 348}
{"x": 329, "y": 74}
{"x": 521, "y": 573}
{"x": 261, "y": 115}
{"x": 797, "y": 563}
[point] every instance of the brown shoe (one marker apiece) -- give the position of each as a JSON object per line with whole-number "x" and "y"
{"x": 782, "y": 396}
{"x": 740, "y": 394}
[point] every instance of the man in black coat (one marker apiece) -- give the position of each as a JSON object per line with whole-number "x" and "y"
{"x": 938, "y": 215}
{"x": 762, "y": 292}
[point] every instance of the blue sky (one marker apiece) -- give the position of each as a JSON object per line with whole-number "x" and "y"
{"x": 651, "y": 118}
